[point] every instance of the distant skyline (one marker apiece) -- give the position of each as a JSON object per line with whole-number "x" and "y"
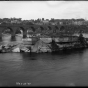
{"x": 44, "y": 9}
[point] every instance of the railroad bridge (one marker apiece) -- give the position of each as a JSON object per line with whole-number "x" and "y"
{"x": 33, "y": 28}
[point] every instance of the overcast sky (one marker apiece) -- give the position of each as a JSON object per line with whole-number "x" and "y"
{"x": 44, "y": 9}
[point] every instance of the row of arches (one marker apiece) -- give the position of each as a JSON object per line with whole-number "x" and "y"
{"x": 28, "y": 30}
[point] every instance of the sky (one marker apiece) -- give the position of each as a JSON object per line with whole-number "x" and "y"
{"x": 44, "y": 9}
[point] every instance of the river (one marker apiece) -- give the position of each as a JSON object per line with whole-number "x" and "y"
{"x": 44, "y": 69}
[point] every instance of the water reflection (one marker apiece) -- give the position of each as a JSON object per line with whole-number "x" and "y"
{"x": 29, "y": 56}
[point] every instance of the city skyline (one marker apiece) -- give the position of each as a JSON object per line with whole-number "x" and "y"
{"x": 44, "y": 9}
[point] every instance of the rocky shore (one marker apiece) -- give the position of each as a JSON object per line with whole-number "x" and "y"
{"x": 45, "y": 45}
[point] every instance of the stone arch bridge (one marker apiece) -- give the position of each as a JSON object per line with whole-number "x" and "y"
{"x": 34, "y": 29}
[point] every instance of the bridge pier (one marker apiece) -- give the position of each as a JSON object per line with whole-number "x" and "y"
{"x": 25, "y": 34}
{"x": 1, "y": 34}
{"x": 0, "y": 38}
{"x": 13, "y": 38}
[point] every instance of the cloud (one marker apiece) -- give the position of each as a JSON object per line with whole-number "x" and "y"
{"x": 44, "y": 9}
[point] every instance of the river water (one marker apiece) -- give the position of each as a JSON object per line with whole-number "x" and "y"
{"x": 44, "y": 69}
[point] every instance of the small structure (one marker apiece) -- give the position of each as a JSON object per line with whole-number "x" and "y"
{"x": 82, "y": 40}
{"x": 54, "y": 46}
{"x": 40, "y": 46}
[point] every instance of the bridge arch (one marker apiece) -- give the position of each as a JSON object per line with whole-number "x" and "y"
{"x": 62, "y": 28}
{"x": 49, "y": 27}
{"x": 32, "y": 28}
{"x": 24, "y": 32}
{"x": 20, "y": 30}
{"x": 8, "y": 30}
{"x": 40, "y": 29}
{"x": 55, "y": 29}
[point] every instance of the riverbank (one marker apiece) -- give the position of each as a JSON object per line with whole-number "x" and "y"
{"x": 45, "y": 44}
